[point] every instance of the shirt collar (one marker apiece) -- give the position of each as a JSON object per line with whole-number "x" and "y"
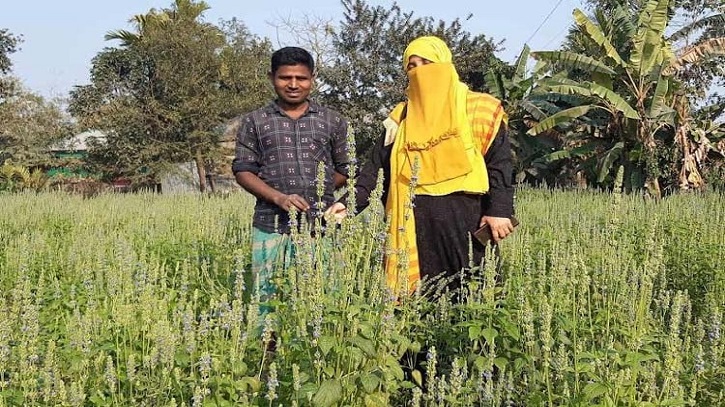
{"x": 313, "y": 107}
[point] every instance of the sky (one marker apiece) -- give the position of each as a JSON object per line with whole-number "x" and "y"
{"x": 60, "y": 38}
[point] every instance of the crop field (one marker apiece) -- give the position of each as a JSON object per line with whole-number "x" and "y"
{"x": 147, "y": 300}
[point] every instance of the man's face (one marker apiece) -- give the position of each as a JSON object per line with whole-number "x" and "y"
{"x": 292, "y": 83}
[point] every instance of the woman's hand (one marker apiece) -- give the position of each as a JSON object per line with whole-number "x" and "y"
{"x": 500, "y": 227}
{"x": 337, "y": 211}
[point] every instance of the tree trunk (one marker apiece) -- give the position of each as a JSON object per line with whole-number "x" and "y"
{"x": 201, "y": 170}
{"x": 646, "y": 137}
{"x": 212, "y": 183}
{"x": 689, "y": 176}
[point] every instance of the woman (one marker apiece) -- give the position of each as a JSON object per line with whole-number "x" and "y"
{"x": 449, "y": 147}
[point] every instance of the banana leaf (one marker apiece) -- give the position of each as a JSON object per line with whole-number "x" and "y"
{"x": 598, "y": 36}
{"x": 622, "y": 20}
{"x": 609, "y": 158}
{"x": 649, "y": 38}
{"x": 574, "y": 60}
{"x": 706, "y": 49}
{"x": 495, "y": 84}
{"x": 523, "y": 57}
{"x": 533, "y": 110}
{"x": 556, "y": 156}
{"x": 548, "y": 99}
{"x": 658, "y": 99}
{"x": 592, "y": 89}
{"x": 561, "y": 117}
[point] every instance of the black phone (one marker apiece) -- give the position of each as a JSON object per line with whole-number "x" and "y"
{"x": 483, "y": 234}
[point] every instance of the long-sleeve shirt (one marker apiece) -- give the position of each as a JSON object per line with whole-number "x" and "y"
{"x": 498, "y": 202}
{"x": 285, "y": 154}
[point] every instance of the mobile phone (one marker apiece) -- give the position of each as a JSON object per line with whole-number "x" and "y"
{"x": 483, "y": 234}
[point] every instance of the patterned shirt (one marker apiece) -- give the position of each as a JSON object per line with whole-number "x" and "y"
{"x": 285, "y": 154}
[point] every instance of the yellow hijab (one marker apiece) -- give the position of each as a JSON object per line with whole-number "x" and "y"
{"x": 429, "y": 138}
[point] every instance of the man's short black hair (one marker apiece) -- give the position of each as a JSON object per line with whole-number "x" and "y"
{"x": 292, "y": 56}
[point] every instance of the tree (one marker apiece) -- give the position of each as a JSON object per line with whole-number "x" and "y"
{"x": 629, "y": 109}
{"x": 700, "y": 48}
{"x": 165, "y": 95}
{"x": 8, "y": 44}
{"x": 525, "y": 105}
{"x": 365, "y": 76}
{"x": 29, "y": 125}
{"x": 692, "y": 24}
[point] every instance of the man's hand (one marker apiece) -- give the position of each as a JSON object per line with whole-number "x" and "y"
{"x": 286, "y": 202}
{"x": 500, "y": 227}
{"x": 338, "y": 211}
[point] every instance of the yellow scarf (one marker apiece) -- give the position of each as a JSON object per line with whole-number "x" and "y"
{"x": 436, "y": 123}
{"x": 433, "y": 142}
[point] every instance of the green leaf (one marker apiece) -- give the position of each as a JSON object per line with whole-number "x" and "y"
{"x": 594, "y": 390}
{"x": 489, "y": 334}
{"x": 500, "y": 363}
{"x": 366, "y": 345}
{"x": 550, "y": 103}
{"x": 561, "y": 117}
{"x": 480, "y": 363}
{"x": 511, "y": 329}
{"x": 557, "y": 155}
{"x": 649, "y": 40}
{"x": 474, "y": 332}
{"x": 609, "y": 158}
{"x": 417, "y": 377}
{"x": 603, "y": 80}
{"x": 520, "y": 65}
{"x": 98, "y": 399}
{"x": 592, "y": 89}
{"x": 532, "y": 109}
{"x": 377, "y": 400}
{"x": 369, "y": 382}
{"x": 615, "y": 100}
{"x": 366, "y": 330}
{"x": 597, "y": 36}
{"x": 326, "y": 343}
{"x": 495, "y": 84}
{"x": 584, "y": 149}
{"x": 574, "y": 60}
{"x": 394, "y": 365}
{"x": 329, "y": 393}
{"x": 307, "y": 390}
{"x": 715, "y": 20}
{"x": 239, "y": 368}
{"x": 249, "y": 382}
{"x": 622, "y": 19}
{"x": 658, "y": 99}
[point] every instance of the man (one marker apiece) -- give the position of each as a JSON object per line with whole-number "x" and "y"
{"x": 278, "y": 150}
{"x": 450, "y": 146}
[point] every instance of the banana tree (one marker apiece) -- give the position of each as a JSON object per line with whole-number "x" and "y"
{"x": 702, "y": 139}
{"x": 516, "y": 87}
{"x": 695, "y": 131}
{"x": 624, "y": 82}
{"x": 16, "y": 178}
